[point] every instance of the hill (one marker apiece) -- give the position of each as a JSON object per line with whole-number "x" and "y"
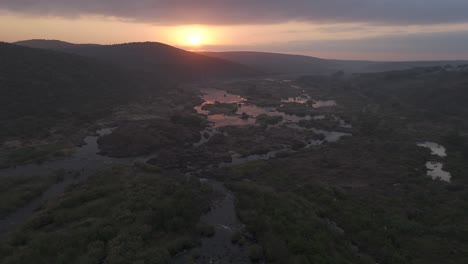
{"x": 161, "y": 60}
{"x": 41, "y": 88}
{"x": 276, "y": 63}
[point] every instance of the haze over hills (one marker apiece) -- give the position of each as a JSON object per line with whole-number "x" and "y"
{"x": 298, "y": 64}
{"x": 164, "y": 60}
{"x": 161, "y": 60}
{"x": 276, "y": 63}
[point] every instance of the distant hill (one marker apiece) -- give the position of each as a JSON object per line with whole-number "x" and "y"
{"x": 40, "y": 88}
{"x": 405, "y": 65}
{"x": 276, "y": 63}
{"x": 49, "y": 44}
{"x": 162, "y": 60}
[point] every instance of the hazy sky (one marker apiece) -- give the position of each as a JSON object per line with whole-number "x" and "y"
{"x": 346, "y": 29}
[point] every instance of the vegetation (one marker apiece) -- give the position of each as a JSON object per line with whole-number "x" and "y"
{"x": 221, "y": 108}
{"x": 146, "y": 167}
{"x": 17, "y": 191}
{"x": 265, "y": 119}
{"x": 50, "y": 88}
{"x": 255, "y": 139}
{"x": 288, "y": 228}
{"x": 117, "y": 216}
{"x": 316, "y": 207}
{"x": 33, "y": 154}
{"x": 367, "y": 198}
{"x": 143, "y": 137}
{"x": 255, "y": 253}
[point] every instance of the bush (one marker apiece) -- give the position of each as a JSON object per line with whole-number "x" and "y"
{"x": 255, "y": 253}
{"x": 265, "y": 119}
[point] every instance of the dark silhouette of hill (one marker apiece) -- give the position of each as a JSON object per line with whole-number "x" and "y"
{"x": 276, "y": 63}
{"x": 167, "y": 62}
{"x": 49, "y": 44}
{"x": 161, "y": 60}
{"x": 41, "y": 88}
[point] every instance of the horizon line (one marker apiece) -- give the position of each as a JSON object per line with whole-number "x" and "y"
{"x": 187, "y": 48}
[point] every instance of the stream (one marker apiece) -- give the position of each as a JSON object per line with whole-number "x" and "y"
{"x": 223, "y": 217}
{"x": 85, "y": 160}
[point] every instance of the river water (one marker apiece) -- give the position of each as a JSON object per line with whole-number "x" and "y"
{"x": 210, "y": 96}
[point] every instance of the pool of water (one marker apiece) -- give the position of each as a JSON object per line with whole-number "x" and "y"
{"x": 436, "y": 149}
{"x": 436, "y": 171}
{"x": 305, "y": 98}
{"x": 210, "y": 96}
{"x": 302, "y": 99}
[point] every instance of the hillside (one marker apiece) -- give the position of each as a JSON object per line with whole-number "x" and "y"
{"x": 433, "y": 91}
{"x": 162, "y": 60}
{"x": 276, "y": 63}
{"x": 41, "y": 88}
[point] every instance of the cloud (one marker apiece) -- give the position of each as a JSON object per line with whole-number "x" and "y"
{"x": 230, "y": 12}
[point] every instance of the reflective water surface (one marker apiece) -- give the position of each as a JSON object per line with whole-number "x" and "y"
{"x": 435, "y": 170}
{"x": 436, "y": 149}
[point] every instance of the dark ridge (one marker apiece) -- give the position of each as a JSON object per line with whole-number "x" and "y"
{"x": 161, "y": 60}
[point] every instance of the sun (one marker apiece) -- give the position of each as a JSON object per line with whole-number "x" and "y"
{"x": 194, "y": 39}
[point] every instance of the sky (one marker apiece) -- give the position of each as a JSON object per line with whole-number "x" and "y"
{"x": 336, "y": 29}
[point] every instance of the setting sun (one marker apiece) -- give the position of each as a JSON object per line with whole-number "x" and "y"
{"x": 194, "y": 39}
